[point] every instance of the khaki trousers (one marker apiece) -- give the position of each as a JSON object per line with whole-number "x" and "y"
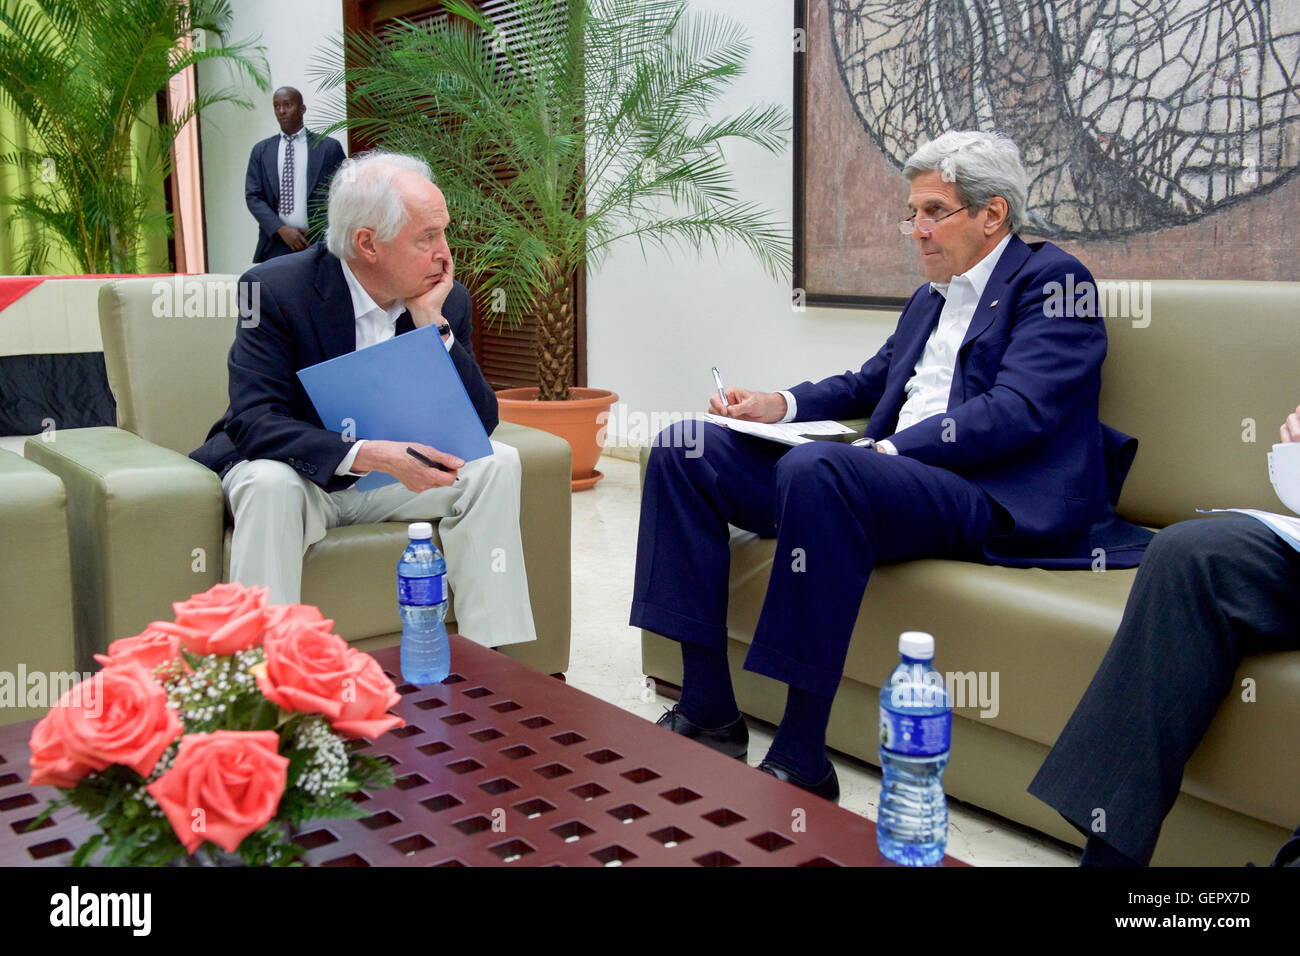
{"x": 279, "y": 515}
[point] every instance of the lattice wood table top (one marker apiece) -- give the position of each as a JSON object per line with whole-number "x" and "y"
{"x": 503, "y": 765}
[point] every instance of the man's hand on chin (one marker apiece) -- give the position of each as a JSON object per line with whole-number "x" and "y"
{"x": 391, "y": 458}
{"x": 426, "y": 309}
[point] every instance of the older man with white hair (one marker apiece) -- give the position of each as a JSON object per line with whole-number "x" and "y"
{"x": 983, "y": 444}
{"x": 288, "y": 478}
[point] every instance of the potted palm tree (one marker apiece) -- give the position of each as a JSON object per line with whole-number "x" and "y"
{"x": 554, "y": 133}
{"x": 84, "y": 76}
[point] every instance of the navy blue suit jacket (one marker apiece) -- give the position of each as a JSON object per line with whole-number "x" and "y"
{"x": 306, "y": 316}
{"x": 1022, "y": 420}
{"x": 262, "y": 188}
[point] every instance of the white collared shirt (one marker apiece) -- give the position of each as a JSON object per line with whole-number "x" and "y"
{"x": 374, "y": 325}
{"x": 298, "y": 217}
{"x": 931, "y": 382}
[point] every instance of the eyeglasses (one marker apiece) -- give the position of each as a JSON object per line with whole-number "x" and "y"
{"x": 923, "y": 226}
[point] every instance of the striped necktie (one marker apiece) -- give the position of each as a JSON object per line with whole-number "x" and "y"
{"x": 286, "y": 178}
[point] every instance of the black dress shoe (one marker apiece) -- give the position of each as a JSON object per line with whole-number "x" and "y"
{"x": 731, "y": 739}
{"x": 828, "y": 787}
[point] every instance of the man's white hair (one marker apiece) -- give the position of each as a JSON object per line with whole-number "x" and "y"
{"x": 980, "y": 165}
{"x": 362, "y": 196}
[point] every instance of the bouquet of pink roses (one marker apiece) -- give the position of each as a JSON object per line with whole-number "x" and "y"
{"x": 226, "y": 726}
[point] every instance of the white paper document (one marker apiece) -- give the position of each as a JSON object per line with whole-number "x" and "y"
{"x": 1286, "y": 526}
{"x": 787, "y": 433}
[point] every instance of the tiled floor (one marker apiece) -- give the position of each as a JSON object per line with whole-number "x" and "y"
{"x": 606, "y": 661}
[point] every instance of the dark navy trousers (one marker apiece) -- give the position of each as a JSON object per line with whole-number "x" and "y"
{"x": 1207, "y": 592}
{"x": 836, "y": 512}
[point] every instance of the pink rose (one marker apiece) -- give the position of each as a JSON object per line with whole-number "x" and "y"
{"x": 315, "y": 672}
{"x": 151, "y": 648}
{"x": 51, "y": 766}
{"x": 283, "y": 619}
{"x": 222, "y": 786}
{"x": 225, "y": 619}
{"x": 367, "y": 699}
{"x": 119, "y": 716}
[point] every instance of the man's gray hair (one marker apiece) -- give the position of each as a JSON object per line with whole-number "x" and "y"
{"x": 362, "y": 196}
{"x": 980, "y": 165}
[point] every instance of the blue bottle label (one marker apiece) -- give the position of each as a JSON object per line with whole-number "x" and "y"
{"x": 419, "y": 590}
{"x": 915, "y": 736}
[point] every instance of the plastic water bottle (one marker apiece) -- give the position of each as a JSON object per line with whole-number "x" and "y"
{"x": 422, "y": 600}
{"x": 915, "y": 731}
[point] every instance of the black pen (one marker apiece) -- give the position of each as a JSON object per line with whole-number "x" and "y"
{"x": 418, "y": 457}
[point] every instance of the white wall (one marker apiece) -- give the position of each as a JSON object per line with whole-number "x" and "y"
{"x": 656, "y": 324}
{"x": 293, "y": 33}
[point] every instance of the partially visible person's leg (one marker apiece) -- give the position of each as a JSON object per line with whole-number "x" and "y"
{"x": 1207, "y": 592}
{"x": 477, "y": 526}
{"x": 278, "y": 515}
{"x": 840, "y": 511}
{"x": 700, "y": 479}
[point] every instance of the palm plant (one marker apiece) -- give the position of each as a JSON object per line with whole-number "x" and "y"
{"x": 82, "y": 74}
{"x": 558, "y": 132}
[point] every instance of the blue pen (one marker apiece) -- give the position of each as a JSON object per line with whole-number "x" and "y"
{"x": 722, "y": 392}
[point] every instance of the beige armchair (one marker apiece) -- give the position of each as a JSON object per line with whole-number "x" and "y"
{"x": 149, "y": 522}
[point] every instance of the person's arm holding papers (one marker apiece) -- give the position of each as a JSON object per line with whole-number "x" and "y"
{"x": 765, "y": 409}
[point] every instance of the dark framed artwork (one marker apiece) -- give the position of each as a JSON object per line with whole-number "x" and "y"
{"x": 1161, "y": 137}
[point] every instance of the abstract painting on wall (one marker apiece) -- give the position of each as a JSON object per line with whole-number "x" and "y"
{"x": 1161, "y": 137}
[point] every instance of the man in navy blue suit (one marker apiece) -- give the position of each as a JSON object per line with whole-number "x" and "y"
{"x": 983, "y": 444}
{"x": 288, "y": 180}
{"x": 288, "y": 477}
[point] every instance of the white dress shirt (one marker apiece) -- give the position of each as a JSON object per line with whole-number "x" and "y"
{"x": 374, "y": 325}
{"x": 931, "y": 382}
{"x": 298, "y": 217}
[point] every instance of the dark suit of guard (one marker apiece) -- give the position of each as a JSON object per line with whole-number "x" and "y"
{"x": 1018, "y": 471}
{"x": 262, "y": 189}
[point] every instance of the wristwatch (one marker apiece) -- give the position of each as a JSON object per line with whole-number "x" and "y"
{"x": 865, "y": 443}
{"x": 444, "y": 329}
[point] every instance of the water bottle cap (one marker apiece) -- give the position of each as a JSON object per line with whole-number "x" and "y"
{"x": 420, "y": 530}
{"x": 916, "y": 644}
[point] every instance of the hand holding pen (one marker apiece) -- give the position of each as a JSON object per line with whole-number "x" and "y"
{"x": 740, "y": 403}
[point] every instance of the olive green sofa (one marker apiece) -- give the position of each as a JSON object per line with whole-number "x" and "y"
{"x": 149, "y": 523}
{"x": 1203, "y": 379}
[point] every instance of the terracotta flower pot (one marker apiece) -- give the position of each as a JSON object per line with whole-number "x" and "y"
{"x": 577, "y": 420}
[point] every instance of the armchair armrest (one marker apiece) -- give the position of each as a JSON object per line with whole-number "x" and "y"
{"x": 545, "y": 506}
{"x": 144, "y": 530}
{"x": 36, "y": 631}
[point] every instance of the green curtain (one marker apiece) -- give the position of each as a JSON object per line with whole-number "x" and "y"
{"x": 15, "y": 233}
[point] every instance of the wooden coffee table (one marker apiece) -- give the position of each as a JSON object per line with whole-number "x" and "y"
{"x": 503, "y": 765}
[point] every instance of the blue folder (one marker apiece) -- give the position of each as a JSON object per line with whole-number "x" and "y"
{"x": 404, "y": 389}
